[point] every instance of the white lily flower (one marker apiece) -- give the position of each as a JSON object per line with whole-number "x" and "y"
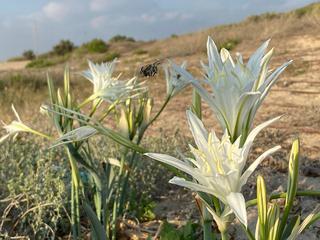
{"x": 238, "y": 89}
{"x": 218, "y": 165}
{"x": 107, "y": 87}
{"x": 175, "y": 81}
{"x": 17, "y": 126}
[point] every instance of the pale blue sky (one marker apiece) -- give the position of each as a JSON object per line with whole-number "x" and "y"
{"x": 39, "y": 24}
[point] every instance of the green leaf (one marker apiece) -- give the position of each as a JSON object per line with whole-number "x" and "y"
{"x": 189, "y": 231}
{"x": 291, "y": 229}
{"x": 262, "y": 208}
{"x": 52, "y": 91}
{"x": 298, "y": 229}
{"x": 97, "y": 228}
{"x": 273, "y": 221}
{"x": 169, "y": 232}
{"x": 66, "y": 85}
{"x": 117, "y": 137}
{"x": 292, "y": 184}
{"x": 196, "y": 104}
{"x": 186, "y": 232}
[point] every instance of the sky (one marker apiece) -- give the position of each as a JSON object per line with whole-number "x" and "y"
{"x": 40, "y": 24}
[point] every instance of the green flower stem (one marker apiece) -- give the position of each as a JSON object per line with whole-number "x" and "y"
{"x": 305, "y": 193}
{"x": 126, "y": 177}
{"x": 75, "y": 202}
{"x": 160, "y": 111}
{"x": 95, "y": 107}
{"x": 224, "y": 236}
{"x": 110, "y": 108}
{"x": 40, "y": 134}
{"x": 126, "y": 174}
{"x": 86, "y": 101}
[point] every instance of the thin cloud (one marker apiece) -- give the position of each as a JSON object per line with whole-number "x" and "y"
{"x": 56, "y": 11}
{"x": 99, "y": 5}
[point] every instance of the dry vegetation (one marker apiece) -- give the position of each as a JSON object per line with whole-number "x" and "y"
{"x": 295, "y": 35}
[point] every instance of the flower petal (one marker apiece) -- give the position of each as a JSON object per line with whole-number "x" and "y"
{"x": 174, "y": 162}
{"x": 237, "y": 203}
{"x": 249, "y": 141}
{"x": 254, "y": 165}
{"x": 213, "y": 55}
{"x": 193, "y": 186}
{"x": 254, "y": 63}
{"x": 198, "y": 130}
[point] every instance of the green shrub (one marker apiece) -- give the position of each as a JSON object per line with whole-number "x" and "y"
{"x": 264, "y": 16}
{"x": 32, "y": 181}
{"x": 63, "y": 47}
{"x": 174, "y": 36}
{"x": 29, "y": 55}
{"x": 46, "y": 55}
{"x": 96, "y": 46}
{"x": 229, "y": 44}
{"x": 186, "y": 232}
{"x": 141, "y": 52}
{"x": 39, "y": 63}
{"x": 109, "y": 57}
{"x": 121, "y": 38}
{"x": 16, "y": 59}
{"x": 300, "y": 12}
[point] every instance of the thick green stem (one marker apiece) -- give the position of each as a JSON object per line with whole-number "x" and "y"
{"x": 224, "y": 236}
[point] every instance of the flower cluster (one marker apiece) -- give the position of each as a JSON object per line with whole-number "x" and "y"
{"x": 237, "y": 91}
{"x": 217, "y": 167}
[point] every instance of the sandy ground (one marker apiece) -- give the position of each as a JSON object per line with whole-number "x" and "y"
{"x": 7, "y": 66}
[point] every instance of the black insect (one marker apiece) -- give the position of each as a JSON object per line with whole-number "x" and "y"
{"x": 150, "y": 70}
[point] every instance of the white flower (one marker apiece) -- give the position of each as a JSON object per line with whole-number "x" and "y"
{"x": 238, "y": 89}
{"x": 107, "y": 87}
{"x": 15, "y": 127}
{"x": 217, "y": 167}
{"x": 175, "y": 81}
